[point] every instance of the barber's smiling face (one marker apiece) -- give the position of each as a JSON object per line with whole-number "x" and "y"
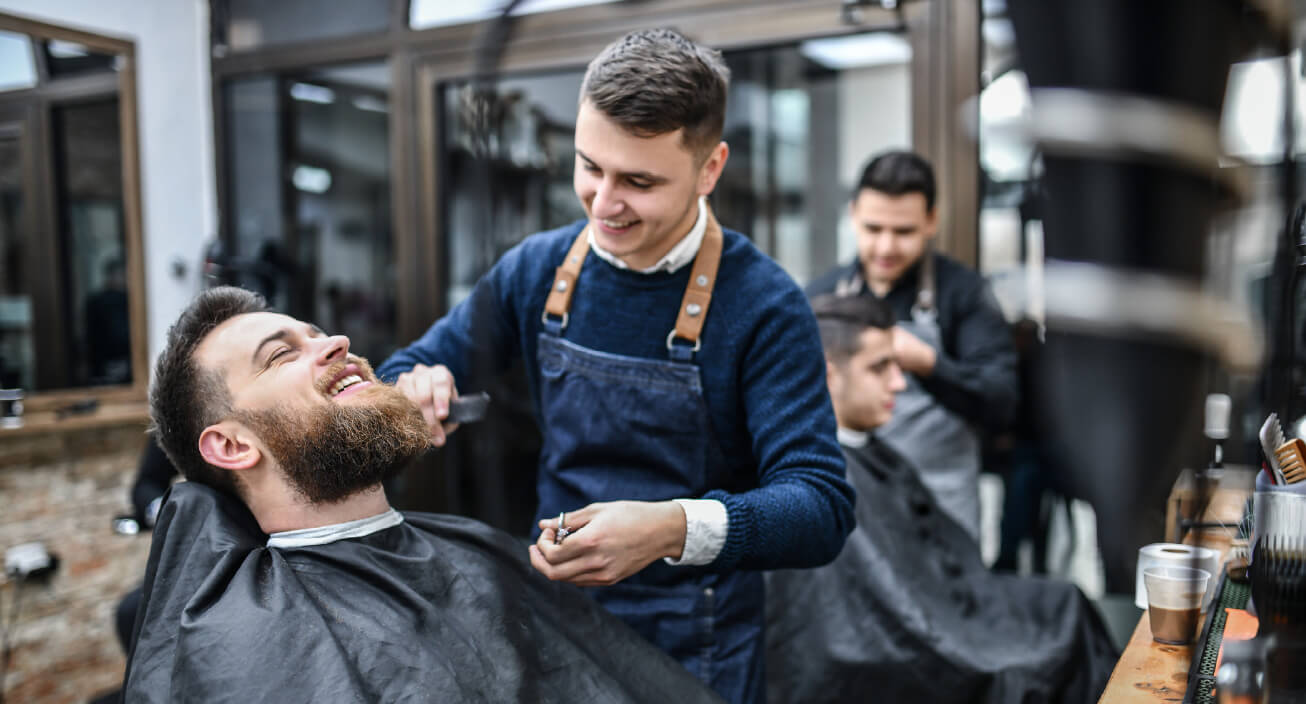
{"x": 892, "y": 234}
{"x": 640, "y": 193}
{"x": 272, "y": 360}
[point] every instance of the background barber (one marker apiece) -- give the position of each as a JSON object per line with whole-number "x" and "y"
{"x": 951, "y": 338}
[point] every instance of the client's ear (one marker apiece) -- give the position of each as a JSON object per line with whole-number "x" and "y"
{"x": 227, "y": 445}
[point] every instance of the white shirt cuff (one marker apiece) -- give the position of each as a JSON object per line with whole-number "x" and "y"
{"x": 706, "y": 526}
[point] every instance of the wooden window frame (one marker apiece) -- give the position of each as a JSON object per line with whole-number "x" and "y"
{"x": 40, "y": 101}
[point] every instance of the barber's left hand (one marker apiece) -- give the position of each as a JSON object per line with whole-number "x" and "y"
{"x": 609, "y": 541}
{"x": 912, "y": 353}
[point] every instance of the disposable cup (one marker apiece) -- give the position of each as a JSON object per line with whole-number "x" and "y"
{"x": 1174, "y": 601}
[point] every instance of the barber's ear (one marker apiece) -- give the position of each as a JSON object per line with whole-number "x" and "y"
{"x": 932, "y": 223}
{"x": 712, "y": 168}
{"x": 832, "y": 377}
{"x": 227, "y": 445}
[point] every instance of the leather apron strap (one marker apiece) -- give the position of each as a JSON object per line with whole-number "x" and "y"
{"x": 564, "y": 279}
{"x": 926, "y": 292}
{"x": 698, "y": 292}
{"x": 693, "y": 306}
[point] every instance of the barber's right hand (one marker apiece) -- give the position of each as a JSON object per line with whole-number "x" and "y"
{"x": 431, "y": 388}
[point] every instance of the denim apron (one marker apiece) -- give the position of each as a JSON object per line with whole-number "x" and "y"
{"x": 619, "y": 427}
{"x": 941, "y": 443}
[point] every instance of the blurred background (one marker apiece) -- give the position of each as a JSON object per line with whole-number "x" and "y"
{"x": 338, "y": 158}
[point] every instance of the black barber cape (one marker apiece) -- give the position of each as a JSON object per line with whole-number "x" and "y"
{"x": 909, "y": 613}
{"x": 434, "y": 609}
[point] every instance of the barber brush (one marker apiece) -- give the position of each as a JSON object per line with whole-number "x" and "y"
{"x": 1271, "y": 436}
{"x": 1292, "y": 460}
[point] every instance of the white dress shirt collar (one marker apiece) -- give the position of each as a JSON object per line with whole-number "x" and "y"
{"x": 852, "y": 438}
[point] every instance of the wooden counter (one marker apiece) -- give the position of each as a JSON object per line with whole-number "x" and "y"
{"x": 1155, "y": 672}
{"x": 1149, "y": 671}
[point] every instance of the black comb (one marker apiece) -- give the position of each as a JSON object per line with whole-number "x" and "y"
{"x": 468, "y": 409}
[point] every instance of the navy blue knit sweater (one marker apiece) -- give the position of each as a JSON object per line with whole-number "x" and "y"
{"x": 762, "y": 369}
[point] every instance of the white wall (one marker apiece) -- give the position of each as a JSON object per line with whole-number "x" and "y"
{"x": 174, "y": 116}
{"x": 874, "y": 115}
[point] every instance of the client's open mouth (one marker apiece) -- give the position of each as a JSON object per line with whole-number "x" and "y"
{"x": 349, "y": 380}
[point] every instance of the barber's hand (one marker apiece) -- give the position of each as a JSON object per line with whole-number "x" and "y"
{"x": 431, "y": 388}
{"x": 913, "y": 354}
{"x": 609, "y": 541}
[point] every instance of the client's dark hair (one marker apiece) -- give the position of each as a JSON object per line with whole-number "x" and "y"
{"x": 899, "y": 173}
{"x": 842, "y": 319}
{"x": 185, "y": 398}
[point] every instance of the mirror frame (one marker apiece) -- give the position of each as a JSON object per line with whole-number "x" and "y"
{"x": 42, "y": 97}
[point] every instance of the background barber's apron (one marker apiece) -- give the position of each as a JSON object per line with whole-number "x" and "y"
{"x": 942, "y": 444}
{"x": 619, "y": 427}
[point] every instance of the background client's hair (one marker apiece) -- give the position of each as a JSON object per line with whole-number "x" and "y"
{"x": 842, "y": 319}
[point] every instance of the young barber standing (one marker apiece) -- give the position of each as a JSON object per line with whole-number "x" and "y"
{"x": 676, "y": 372}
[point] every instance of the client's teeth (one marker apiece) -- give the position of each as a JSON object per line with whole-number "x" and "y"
{"x": 344, "y": 383}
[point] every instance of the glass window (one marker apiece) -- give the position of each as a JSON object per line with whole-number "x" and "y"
{"x": 1251, "y": 127}
{"x": 802, "y": 122}
{"x": 73, "y": 280}
{"x": 424, "y": 14}
{"x": 17, "y": 65}
{"x": 250, "y": 24}
{"x": 88, "y": 160}
{"x": 71, "y": 59}
{"x": 309, "y": 191}
{"x": 528, "y": 152}
{"x": 16, "y": 353}
{"x": 1010, "y": 217}
{"x": 65, "y": 320}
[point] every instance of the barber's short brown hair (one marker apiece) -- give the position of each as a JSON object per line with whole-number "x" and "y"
{"x": 655, "y": 81}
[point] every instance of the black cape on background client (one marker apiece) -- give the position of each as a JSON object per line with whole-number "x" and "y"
{"x": 433, "y": 609}
{"x": 909, "y": 612}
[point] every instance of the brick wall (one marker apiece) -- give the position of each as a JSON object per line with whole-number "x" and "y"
{"x": 64, "y": 490}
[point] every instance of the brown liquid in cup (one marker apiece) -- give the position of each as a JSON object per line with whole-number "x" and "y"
{"x": 1173, "y": 626}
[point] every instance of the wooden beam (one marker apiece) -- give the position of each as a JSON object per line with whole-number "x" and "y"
{"x": 945, "y": 42}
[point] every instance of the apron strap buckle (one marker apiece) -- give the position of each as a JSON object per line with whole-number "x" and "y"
{"x": 682, "y": 352}
{"x": 555, "y": 326}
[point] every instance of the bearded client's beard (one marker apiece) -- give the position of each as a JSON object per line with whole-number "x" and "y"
{"x": 332, "y": 452}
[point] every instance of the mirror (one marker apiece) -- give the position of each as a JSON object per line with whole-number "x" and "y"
{"x": 71, "y": 282}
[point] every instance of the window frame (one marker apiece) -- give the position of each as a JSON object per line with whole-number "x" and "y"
{"x": 40, "y": 102}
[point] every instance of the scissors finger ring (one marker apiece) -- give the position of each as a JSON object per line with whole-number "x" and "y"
{"x": 562, "y": 531}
